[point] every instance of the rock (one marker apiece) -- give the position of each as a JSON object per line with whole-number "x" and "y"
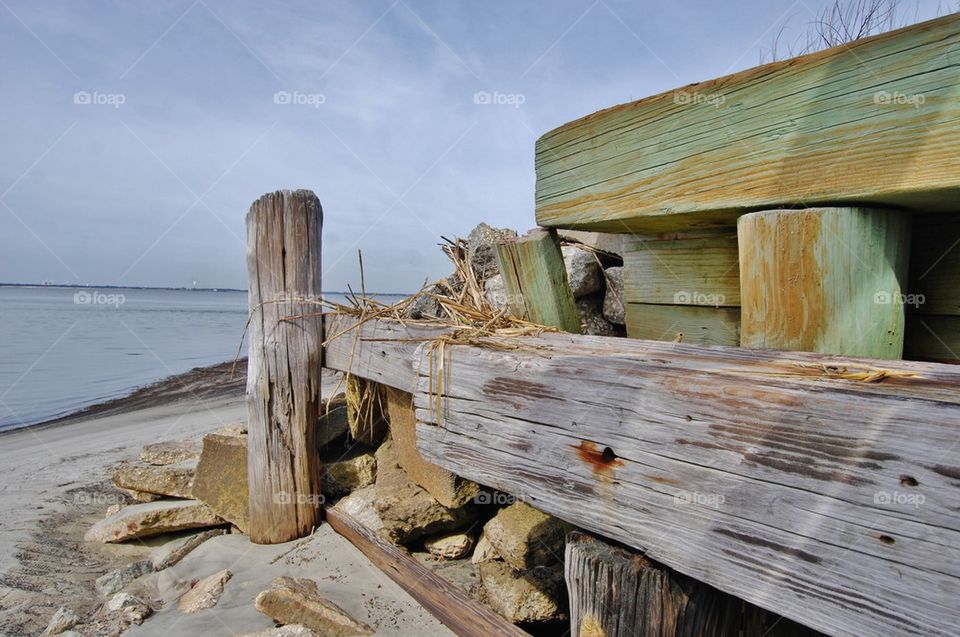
{"x": 609, "y": 243}
{"x": 128, "y": 609}
{"x": 174, "y": 480}
{"x": 525, "y": 537}
{"x": 221, "y": 477}
{"x": 290, "y": 630}
{"x": 614, "y": 309}
{"x": 173, "y": 551}
{"x": 170, "y": 452}
{"x": 297, "y": 601}
{"x": 352, "y": 473}
{"x": 119, "y": 579}
{"x": 495, "y": 292}
{"x": 408, "y": 511}
{"x": 360, "y": 505}
{"x": 451, "y": 546}
{"x": 583, "y": 270}
{"x": 205, "y": 593}
{"x": 536, "y": 595}
{"x": 425, "y": 305}
{"x": 484, "y": 551}
{"x": 365, "y": 417}
{"x": 154, "y": 518}
{"x": 63, "y": 620}
{"x": 447, "y": 488}
{"x": 233, "y": 429}
{"x": 333, "y": 420}
{"x": 140, "y": 496}
{"x": 113, "y": 508}
{"x": 591, "y": 318}
{"x": 481, "y": 253}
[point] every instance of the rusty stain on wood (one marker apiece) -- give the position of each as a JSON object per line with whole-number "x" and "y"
{"x": 601, "y": 461}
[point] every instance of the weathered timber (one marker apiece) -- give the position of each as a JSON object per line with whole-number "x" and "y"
{"x": 932, "y": 338}
{"x": 695, "y": 324}
{"x": 284, "y": 368}
{"x": 453, "y": 607}
{"x": 535, "y": 280}
{"x": 935, "y": 265}
{"x": 819, "y": 487}
{"x": 381, "y": 351}
{"x": 868, "y": 121}
{"x": 694, "y": 269}
{"x": 824, "y": 280}
{"x": 618, "y": 593}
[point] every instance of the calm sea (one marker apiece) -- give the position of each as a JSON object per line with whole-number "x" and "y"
{"x": 63, "y": 349}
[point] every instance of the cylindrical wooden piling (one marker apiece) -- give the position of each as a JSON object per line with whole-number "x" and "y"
{"x": 283, "y": 381}
{"x": 829, "y": 280}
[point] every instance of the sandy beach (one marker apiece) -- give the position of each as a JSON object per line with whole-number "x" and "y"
{"x": 57, "y": 483}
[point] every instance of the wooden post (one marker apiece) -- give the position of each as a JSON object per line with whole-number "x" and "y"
{"x": 535, "y": 280}
{"x": 617, "y": 593}
{"x": 827, "y": 280}
{"x": 283, "y": 378}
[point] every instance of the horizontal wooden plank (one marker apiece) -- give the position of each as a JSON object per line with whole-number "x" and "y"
{"x": 868, "y": 122}
{"x": 822, "y": 488}
{"x": 453, "y": 607}
{"x": 700, "y": 270}
{"x": 684, "y": 323}
{"x": 377, "y": 350}
{"x": 935, "y": 266}
{"x": 932, "y": 338}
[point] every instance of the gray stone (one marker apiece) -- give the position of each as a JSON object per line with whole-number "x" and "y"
{"x": 525, "y": 537}
{"x": 175, "y": 550}
{"x": 297, "y": 601}
{"x": 425, "y": 305}
{"x": 174, "y": 480}
{"x": 614, "y": 309}
{"x": 360, "y": 505}
{"x": 495, "y": 292}
{"x": 481, "y": 253}
{"x": 290, "y": 630}
{"x": 117, "y": 580}
{"x": 205, "y": 593}
{"x": 170, "y": 452}
{"x": 535, "y": 595}
{"x": 154, "y": 518}
{"x": 583, "y": 270}
{"x": 591, "y": 318}
{"x": 63, "y": 620}
{"x": 128, "y": 609}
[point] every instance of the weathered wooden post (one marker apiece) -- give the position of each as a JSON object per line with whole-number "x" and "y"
{"x": 826, "y": 280}
{"x": 283, "y": 378}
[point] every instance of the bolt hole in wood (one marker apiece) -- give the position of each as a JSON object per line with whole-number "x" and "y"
{"x": 908, "y": 481}
{"x": 886, "y": 539}
{"x": 600, "y": 461}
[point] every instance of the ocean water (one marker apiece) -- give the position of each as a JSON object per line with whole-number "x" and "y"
{"x": 63, "y": 349}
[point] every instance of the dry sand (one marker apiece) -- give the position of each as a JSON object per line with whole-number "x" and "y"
{"x": 56, "y": 483}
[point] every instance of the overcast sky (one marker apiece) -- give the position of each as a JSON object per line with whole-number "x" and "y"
{"x": 135, "y": 135}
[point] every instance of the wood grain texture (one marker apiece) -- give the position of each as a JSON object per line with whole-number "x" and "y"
{"x": 932, "y": 338}
{"x": 698, "y": 270}
{"x": 454, "y": 608}
{"x": 684, "y": 323}
{"x": 535, "y": 281}
{"x": 827, "y": 280}
{"x": 822, "y": 488}
{"x": 935, "y": 264}
{"x": 284, "y": 368}
{"x": 840, "y": 126}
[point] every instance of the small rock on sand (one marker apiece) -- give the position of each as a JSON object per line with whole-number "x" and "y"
{"x": 297, "y": 601}
{"x": 360, "y": 505}
{"x": 290, "y": 630}
{"x": 170, "y": 452}
{"x": 205, "y": 593}
{"x": 450, "y": 546}
{"x": 168, "y": 554}
{"x": 63, "y": 620}
{"x": 525, "y": 537}
{"x": 174, "y": 480}
{"x": 221, "y": 477}
{"x": 154, "y": 518}
{"x": 116, "y": 580}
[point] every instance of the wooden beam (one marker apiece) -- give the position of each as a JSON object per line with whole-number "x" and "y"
{"x": 284, "y": 366}
{"x": 454, "y": 608}
{"x": 694, "y": 324}
{"x": 822, "y": 488}
{"x": 827, "y": 280}
{"x": 535, "y": 281}
{"x": 870, "y": 121}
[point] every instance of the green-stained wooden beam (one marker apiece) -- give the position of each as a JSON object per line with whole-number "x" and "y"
{"x": 696, "y": 324}
{"x": 874, "y": 121}
{"x": 535, "y": 280}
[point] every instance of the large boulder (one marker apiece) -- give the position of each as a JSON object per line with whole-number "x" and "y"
{"x": 409, "y": 512}
{"x": 525, "y": 537}
{"x": 583, "y": 270}
{"x": 154, "y": 518}
{"x": 170, "y": 452}
{"x": 614, "y": 308}
{"x": 297, "y": 601}
{"x": 532, "y": 596}
{"x": 205, "y": 593}
{"x": 221, "y": 478}
{"x": 174, "y": 480}
{"x": 481, "y": 250}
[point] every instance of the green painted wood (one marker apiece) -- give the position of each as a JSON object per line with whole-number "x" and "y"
{"x": 535, "y": 280}
{"x": 828, "y": 280}
{"x": 935, "y": 265}
{"x": 683, "y": 269}
{"x": 876, "y": 120}
{"x": 932, "y": 338}
{"x": 684, "y": 323}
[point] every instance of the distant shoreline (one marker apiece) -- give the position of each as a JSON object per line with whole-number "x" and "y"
{"x": 77, "y": 286}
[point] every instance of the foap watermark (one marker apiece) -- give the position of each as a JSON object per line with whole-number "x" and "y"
{"x": 315, "y": 499}
{"x": 687, "y": 98}
{"x": 685, "y": 297}
{"x": 886, "y": 98}
{"x": 712, "y": 500}
{"x": 96, "y": 98}
{"x": 883, "y": 297}
{"x": 85, "y": 498}
{"x": 498, "y": 498}
{"x": 496, "y": 98}
{"x": 897, "y": 498}
{"x": 83, "y": 297}
{"x": 296, "y": 98}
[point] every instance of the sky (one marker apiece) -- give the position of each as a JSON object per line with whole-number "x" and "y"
{"x": 137, "y": 134}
